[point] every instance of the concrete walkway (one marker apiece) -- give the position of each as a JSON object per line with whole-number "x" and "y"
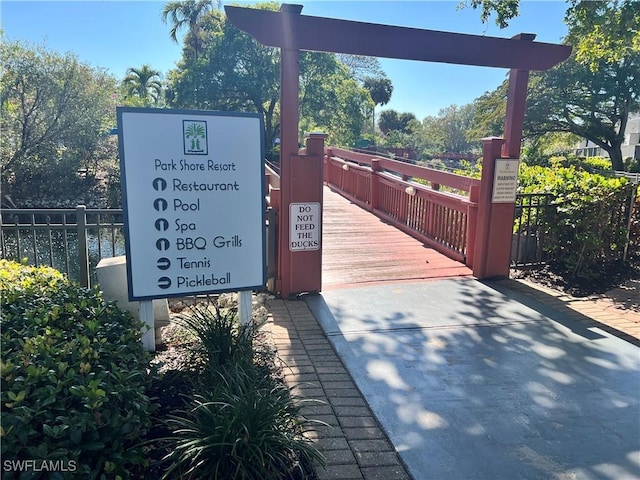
{"x": 457, "y": 379}
{"x": 616, "y": 311}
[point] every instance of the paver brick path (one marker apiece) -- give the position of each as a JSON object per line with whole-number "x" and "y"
{"x": 354, "y": 445}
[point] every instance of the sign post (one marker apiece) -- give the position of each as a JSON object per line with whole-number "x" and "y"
{"x": 496, "y": 205}
{"x": 145, "y": 314}
{"x": 193, "y": 192}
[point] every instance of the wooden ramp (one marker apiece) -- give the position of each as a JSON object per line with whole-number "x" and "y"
{"x": 359, "y": 248}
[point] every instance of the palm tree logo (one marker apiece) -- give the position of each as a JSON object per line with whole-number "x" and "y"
{"x": 195, "y": 137}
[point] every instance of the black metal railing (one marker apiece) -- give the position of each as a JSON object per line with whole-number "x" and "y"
{"x": 539, "y": 228}
{"x": 531, "y": 228}
{"x": 74, "y": 241}
{"x": 70, "y": 240}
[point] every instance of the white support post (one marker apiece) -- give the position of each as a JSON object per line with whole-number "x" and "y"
{"x": 245, "y": 306}
{"x": 146, "y": 316}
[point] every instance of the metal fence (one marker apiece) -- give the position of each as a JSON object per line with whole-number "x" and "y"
{"x": 531, "y": 228}
{"x": 70, "y": 240}
{"x": 537, "y": 227}
{"x": 74, "y": 241}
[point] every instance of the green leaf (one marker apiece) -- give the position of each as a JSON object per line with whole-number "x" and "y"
{"x": 93, "y": 446}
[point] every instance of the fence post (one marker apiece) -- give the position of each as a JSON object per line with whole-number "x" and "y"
{"x": 83, "y": 247}
{"x": 272, "y": 248}
{"x": 627, "y": 242}
{"x": 472, "y": 224}
{"x": 375, "y": 186}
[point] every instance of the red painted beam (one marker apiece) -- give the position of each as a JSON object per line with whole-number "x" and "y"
{"x": 294, "y": 31}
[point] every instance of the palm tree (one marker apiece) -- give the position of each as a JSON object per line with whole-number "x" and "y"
{"x": 380, "y": 89}
{"x": 187, "y": 13}
{"x": 145, "y": 83}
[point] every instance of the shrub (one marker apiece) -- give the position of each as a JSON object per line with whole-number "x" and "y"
{"x": 244, "y": 423}
{"x": 590, "y": 164}
{"x": 73, "y": 376}
{"x": 239, "y": 429}
{"x": 587, "y": 224}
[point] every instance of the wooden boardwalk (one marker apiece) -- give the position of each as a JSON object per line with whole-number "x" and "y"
{"x": 359, "y": 249}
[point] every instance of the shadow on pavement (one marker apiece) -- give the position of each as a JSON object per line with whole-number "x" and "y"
{"x": 476, "y": 382}
{"x": 558, "y": 310}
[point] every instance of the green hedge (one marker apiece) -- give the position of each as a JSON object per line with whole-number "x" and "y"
{"x": 73, "y": 379}
{"x": 587, "y": 224}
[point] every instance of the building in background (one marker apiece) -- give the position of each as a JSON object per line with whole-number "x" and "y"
{"x": 630, "y": 147}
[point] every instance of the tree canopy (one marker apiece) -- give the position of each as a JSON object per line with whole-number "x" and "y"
{"x": 448, "y": 131}
{"x": 593, "y": 92}
{"x": 571, "y": 98}
{"x": 187, "y": 14}
{"x": 361, "y": 67}
{"x": 56, "y": 114}
{"x": 380, "y": 89}
{"x": 391, "y": 120}
{"x": 234, "y": 72}
{"x": 143, "y": 85}
{"x": 504, "y": 10}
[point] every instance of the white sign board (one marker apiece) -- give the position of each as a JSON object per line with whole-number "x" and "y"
{"x": 304, "y": 226}
{"x": 192, "y": 186}
{"x": 505, "y": 180}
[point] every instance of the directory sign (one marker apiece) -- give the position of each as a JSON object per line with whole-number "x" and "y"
{"x": 193, "y": 198}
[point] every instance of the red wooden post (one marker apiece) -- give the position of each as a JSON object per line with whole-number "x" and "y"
{"x": 276, "y": 199}
{"x": 289, "y": 74}
{"x": 516, "y": 100}
{"x": 472, "y": 224}
{"x": 516, "y": 105}
{"x": 375, "y": 185}
{"x": 495, "y": 220}
{"x": 304, "y": 230}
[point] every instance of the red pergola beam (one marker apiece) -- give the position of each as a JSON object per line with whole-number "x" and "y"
{"x": 303, "y": 32}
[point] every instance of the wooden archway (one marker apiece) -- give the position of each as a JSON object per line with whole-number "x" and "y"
{"x": 291, "y": 31}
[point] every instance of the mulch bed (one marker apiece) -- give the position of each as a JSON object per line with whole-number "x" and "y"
{"x": 607, "y": 277}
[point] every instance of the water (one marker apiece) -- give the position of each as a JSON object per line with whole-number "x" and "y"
{"x": 58, "y": 248}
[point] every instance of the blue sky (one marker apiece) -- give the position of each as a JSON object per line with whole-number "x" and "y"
{"x": 118, "y": 34}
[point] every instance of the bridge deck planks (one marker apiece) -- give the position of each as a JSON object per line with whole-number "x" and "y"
{"x": 359, "y": 249}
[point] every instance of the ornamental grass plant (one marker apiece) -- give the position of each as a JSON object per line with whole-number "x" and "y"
{"x": 239, "y": 419}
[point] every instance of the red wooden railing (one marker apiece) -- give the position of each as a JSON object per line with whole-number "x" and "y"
{"x": 445, "y": 220}
{"x": 272, "y": 194}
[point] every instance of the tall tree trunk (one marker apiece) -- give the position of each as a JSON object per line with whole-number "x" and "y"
{"x": 616, "y": 159}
